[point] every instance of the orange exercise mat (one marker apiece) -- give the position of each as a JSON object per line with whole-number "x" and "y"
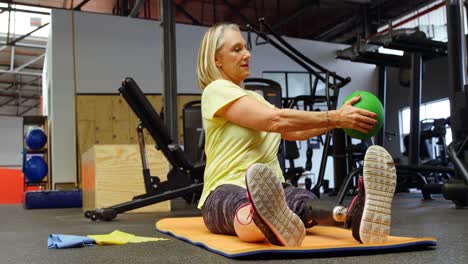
{"x": 319, "y": 240}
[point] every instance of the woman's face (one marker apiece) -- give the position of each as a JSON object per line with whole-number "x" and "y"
{"x": 233, "y": 57}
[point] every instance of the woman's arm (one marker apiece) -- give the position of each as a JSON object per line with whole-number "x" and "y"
{"x": 248, "y": 112}
{"x": 305, "y": 134}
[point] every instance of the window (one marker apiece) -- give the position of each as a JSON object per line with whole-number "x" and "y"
{"x": 297, "y": 83}
{"x": 23, "y": 22}
{"x": 292, "y": 83}
{"x": 433, "y": 23}
{"x": 279, "y": 77}
{"x": 431, "y": 110}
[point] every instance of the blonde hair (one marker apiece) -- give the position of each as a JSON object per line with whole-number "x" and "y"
{"x": 212, "y": 42}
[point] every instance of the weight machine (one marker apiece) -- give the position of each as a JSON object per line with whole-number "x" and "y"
{"x": 456, "y": 189}
{"x": 185, "y": 178}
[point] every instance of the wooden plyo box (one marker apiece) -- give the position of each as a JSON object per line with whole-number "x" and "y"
{"x": 112, "y": 174}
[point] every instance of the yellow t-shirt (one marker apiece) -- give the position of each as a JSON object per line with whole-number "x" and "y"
{"x": 230, "y": 148}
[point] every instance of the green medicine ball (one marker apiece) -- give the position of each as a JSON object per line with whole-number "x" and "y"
{"x": 371, "y": 103}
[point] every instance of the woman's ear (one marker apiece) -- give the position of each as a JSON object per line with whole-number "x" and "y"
{"x": 218, "y": 61}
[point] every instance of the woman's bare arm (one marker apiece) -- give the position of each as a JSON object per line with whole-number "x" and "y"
{"x": 248, "y": 112}
{"x": 305, "y": 134}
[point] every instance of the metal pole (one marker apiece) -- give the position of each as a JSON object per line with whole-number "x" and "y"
{"x": 340, "y": 164}
{"x": 18, "y": 88}
{"x": 12, "y": 58}
{"x": 382, "y": 95}
{"x": 23, "y": 45}
{"x": 170, "y": 69}
{"x": 457, "y": 68}
{"x": 9, "y": 24}
{"x": 21, "y": 73}
{"x": 415, "y": 103}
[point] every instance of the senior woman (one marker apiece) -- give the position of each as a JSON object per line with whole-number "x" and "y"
{"x": 245, "y": 193}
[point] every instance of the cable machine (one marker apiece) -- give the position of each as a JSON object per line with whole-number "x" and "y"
{"x": 333, "y": 82}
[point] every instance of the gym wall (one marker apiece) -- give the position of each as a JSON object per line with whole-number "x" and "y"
{"x": 108, "y": 48}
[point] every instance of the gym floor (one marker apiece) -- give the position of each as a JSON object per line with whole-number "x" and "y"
{"x": 23, "y": 236}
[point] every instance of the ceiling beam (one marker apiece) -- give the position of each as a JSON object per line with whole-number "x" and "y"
{"x": 237, "y": 11}
{"x": 181, "y": 9}
{"x": 299, "y": 11}
{"x": 28, "y": 109}
{"x": 3, "y": 9}
{"x": 403, "y": 7}
{"x": 21, "y": 104}
{"x": 337, "y": 29}
{"x": 24, "y": 45}
{"x": 413, "y": 17}
{"x": 13, "y": 42}
{"x": 7, "y": 65}
{"x": 21, "y": 73}
{"x": 243, "y": 5}
{"x": 136, "y": 8}
{"x": 80, "y": 5}
{"x": 379, "y": 12}
{"x": 13, "y": 83}
{"x": 16, "y": 95}
{"x": 7, "y": 101}
{"x": 24, "y": 65}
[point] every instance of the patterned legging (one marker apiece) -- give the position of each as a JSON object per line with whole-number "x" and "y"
{"x": 220, "y": 207}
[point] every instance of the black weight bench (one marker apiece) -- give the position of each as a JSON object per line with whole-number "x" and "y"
{"x": 185, "y": 179}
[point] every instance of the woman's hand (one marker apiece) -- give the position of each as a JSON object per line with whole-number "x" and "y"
{"x": 348, "y": 116}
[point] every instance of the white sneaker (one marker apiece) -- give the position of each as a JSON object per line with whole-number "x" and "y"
{"x": 278, "y": 223}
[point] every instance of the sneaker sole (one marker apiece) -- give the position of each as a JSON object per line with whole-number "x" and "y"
{"x": 268, "y": 200}
{"x": 379, "y": 185}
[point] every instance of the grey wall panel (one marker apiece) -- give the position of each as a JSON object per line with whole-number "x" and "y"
{"x": 61, "y": 100}
{"x": 110, "y": 48}
{"x": 187, "y": 41}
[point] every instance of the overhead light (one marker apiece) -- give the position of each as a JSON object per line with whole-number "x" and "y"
{"x": 390, "y": 51}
